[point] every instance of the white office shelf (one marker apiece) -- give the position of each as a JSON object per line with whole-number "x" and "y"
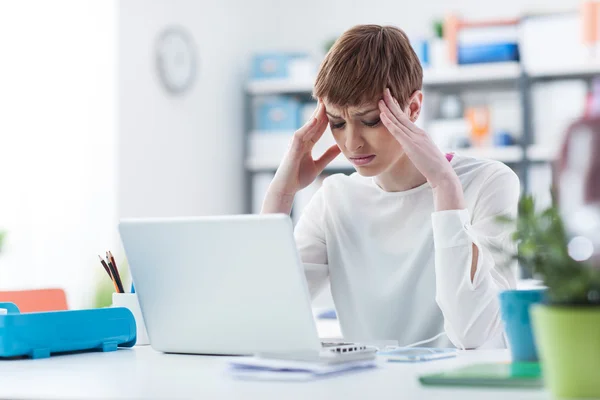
{"x": 493, "y": 72}
{"x": 508, "y": 154}
{"x": 277, "y": 86}
{"x": 573, "y": 71}
{"x": 271, "y": 164}
{"x": 542, "y": 153}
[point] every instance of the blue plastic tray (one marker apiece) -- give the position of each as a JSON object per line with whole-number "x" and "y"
{"x": 38, "y": 335}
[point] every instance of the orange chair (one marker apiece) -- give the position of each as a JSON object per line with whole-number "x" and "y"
{"x": 36, "y": 300}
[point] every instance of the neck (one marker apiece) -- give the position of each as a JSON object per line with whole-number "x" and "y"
{"x": 401, "y": 176}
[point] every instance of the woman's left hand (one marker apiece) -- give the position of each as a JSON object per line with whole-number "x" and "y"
{"x": 424, "y": 154}
{"x": 416, "y": 143}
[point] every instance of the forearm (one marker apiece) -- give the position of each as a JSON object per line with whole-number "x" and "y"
{"x": 469, "y": 302}
{"x": 449, "y": 195}
{"x": 277, "y": 203}
{"x": 471, "y": 315}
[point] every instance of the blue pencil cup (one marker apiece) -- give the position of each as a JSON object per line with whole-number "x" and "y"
{"x": 514, "y": 306}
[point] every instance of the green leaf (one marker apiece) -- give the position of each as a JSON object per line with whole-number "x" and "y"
{"x": 541, "y": 241}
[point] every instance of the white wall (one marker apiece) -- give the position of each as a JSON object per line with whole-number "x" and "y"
{"x": 307, "y": 24}
{"x": 57, "y": 143}
{"x": 181, "y": 155}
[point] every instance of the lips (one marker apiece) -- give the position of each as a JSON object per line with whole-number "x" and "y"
{"x": 362, "y": 160}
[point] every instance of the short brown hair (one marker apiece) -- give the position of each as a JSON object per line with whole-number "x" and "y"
{"x": 363, "y": 62}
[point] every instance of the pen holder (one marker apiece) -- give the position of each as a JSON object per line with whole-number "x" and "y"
{"x": 130, "y": 301}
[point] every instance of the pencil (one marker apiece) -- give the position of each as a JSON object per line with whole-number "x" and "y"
{"x": 115, "y": 271}
{"x": 109, "y": 273}
{"x": 116, "y": 281}
{"x": 114, "y": 263}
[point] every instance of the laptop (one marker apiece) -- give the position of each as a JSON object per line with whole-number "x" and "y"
{"x": 225, "y": 285}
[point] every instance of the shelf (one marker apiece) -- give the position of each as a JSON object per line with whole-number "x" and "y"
{"x": 448, "y": 76}
{"x": 565, "y": 72}
{"x": 477, "y": 73}
{"x": 542, "y": 153}
{"x": 278, "y": 86}
{"x": 508, "y": 154}
{"x": 481, "y": 73}
{"x": 257, "y": 165}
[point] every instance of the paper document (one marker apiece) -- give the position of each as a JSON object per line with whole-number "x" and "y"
{"x": 267, "y": 369}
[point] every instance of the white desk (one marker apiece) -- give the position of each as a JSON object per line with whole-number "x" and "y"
{"x": 142, "y": 373}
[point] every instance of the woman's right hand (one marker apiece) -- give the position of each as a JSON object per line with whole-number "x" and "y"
{"x": 298, "y": 169}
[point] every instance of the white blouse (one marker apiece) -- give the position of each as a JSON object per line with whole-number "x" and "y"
{"x": 400, "y": 271}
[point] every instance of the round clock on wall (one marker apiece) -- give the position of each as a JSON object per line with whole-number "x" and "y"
{"x": 176, "y": 60}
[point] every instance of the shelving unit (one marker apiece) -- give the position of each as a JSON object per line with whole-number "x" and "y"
{"x": 574, "y": 72}
{"x": 469, "y": 74}
{"x": 479, "y": 77}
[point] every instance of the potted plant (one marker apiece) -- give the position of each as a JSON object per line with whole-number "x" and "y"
{"x": 2, "y": 236}
{"x": 567, "y": 325}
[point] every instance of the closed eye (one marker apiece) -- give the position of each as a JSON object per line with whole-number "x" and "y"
{"x": 372, "y": 124}
{"x": 338, "y": 125}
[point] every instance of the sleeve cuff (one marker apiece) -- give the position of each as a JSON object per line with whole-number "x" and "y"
{"x": 450, "y": 228}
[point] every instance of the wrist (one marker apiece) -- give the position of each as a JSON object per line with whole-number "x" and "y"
{"x": 448, "y": 183}
{"x": 283, "y": 196}
{"x": 277, "y": 202}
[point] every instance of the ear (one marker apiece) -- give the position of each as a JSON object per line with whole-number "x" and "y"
{"x": 414, "y": 105}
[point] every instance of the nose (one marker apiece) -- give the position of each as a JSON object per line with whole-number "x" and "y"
{"x": 354, "y": 140}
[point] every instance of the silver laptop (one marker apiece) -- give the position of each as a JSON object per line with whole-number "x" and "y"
{"x": 223, "y": 285}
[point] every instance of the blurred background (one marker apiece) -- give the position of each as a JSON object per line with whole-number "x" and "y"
{"x": 147, "y": 108}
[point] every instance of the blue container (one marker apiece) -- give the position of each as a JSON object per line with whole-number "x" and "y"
{"x": 421, "y": 48}
{"x": 503, "y": 138}
{"x": 514, "y": 306}
{"x": 488, "y": 53}
{"x": 278, "y": 113}
{"x": 40, "y": 334}
{"x": 273, "y": 65}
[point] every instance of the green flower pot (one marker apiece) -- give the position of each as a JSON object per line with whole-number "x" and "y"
{"x": 568, "y": 340}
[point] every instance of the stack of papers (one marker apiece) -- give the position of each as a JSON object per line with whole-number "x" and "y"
{"x": 256, "y": 368}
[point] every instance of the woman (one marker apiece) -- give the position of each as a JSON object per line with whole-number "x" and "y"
{"x": 406, "y": 242}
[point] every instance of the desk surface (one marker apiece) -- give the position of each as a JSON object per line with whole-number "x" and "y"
{"x": 144, "y": 373}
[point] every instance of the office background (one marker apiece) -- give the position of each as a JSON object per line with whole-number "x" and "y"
{"x": 88, "y": 134}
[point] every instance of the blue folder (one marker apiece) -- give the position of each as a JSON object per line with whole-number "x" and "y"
{"x": 488, "y": 53}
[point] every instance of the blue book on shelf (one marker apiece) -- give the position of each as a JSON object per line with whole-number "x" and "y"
{"x": 488, "y": 53}
{"x": 40, "y": 334}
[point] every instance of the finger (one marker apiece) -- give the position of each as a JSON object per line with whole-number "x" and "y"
{"x": 317, "y": 109}
{"x": 401, "y": 128}
{"x": 391, "y": 102}
{"x": 402, "y": 118}
{"x": 383, "y": 107}
{"x": 319, "y": 128}
{"x": 327, "y": 157}
{"x": 306, "y": 129}
{"x": 397, "y": 131}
